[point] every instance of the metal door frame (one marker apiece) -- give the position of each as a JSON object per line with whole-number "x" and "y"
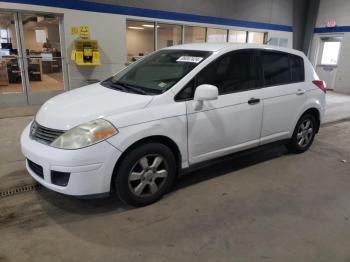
{"x": 13, "y": 98}
{"x": 319, "y": 52}
{"x": 318, "y": 39}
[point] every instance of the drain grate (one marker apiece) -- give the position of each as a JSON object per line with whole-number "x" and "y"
{"x": 18, "y": 190}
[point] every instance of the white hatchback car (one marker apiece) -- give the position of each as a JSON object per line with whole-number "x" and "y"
{"x": 170, "y": 110}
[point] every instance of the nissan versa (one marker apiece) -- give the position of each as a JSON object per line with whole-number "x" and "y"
{"x": 174, "y": 108}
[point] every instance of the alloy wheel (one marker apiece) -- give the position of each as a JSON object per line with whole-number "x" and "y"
{"x": 148, "y": 175}
{"x": 305, "y": 133}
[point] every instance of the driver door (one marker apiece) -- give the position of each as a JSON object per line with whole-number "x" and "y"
{"x": 233, "y": 121}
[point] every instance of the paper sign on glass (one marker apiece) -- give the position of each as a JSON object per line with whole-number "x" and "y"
{"x": 190, "y": 59}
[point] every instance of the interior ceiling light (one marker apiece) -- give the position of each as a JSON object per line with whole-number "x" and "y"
{"x": 150, "y": 25}
{"x": 136, "y": 27}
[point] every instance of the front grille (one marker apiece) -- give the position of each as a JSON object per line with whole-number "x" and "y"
{"x": 37, "y": 169}
{"x": 43, "y": 134}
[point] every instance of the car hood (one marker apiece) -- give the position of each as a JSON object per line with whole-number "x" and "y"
{"x": 87, "y": 103}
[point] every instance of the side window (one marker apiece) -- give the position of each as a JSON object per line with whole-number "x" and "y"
{"x": 234, "y": 72}
{"x": 297, "y": 68}
{"x": 276, "y": 68}
{"x": 187, "y": 92}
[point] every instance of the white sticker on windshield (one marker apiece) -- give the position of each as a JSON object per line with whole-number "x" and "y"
{"x": 162, "y": 84}
{"x": 190, "y": 59}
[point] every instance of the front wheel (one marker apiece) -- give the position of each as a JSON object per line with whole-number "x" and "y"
{"x": 304, "y": 134}
{"x": 145, "y": 174}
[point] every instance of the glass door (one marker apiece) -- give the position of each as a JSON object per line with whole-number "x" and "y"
{"x": 12, "y": 87}
{"x": 31, "y": 60}
{"x": 43, "y": 60}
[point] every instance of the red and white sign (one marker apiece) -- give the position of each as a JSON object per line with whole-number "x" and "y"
{"x": 331, "y": 23}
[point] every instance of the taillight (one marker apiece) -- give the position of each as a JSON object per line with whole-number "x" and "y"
{"x": 321, "y": 85}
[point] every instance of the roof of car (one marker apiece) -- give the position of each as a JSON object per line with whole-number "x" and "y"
{"x": 213, "y": 47}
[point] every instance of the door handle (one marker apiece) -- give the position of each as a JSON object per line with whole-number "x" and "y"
{"x": 300, "y": 92}
{"x": 253, "y": 101}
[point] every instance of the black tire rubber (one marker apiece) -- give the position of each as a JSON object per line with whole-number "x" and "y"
{"x": 292, "y": 145}
{"x": 122, "y": 175}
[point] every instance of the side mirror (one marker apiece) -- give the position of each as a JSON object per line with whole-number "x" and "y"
{"x": 205, "y": 93}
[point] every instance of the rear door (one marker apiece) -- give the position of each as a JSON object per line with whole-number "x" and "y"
{"x": 284, "y": 93}
{"x": 233, "y": 121}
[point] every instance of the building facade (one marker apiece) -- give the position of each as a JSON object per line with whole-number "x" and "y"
{"x": 38, "y": 37}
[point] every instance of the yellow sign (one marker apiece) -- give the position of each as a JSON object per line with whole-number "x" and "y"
{"x": 74, "y": 30}
{"x": 84, "y": 31}
{"x": 85, "y": 53}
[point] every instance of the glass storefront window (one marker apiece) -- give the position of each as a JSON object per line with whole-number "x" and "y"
{"x": 237, "y": 36}
{"x": 169, "y": 35}
{"x": 216, "y": 35}
{"x": 139, "y": 39}
{"x": 141, "y": 36}
{"x": 194, "y": 34}
{"x": 256, "y": 37}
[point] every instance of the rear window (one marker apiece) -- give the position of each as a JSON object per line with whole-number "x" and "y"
{"x": 282, "y": 68}
{"x": 276, "y": 68}
{"x": 297, "y": 68}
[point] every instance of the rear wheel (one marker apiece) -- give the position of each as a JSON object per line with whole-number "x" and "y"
{"x": 145, "y": 174}
{"x": 304, "y": 134}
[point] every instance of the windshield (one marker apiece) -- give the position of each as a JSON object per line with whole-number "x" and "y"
{"x": 156, "y": 73}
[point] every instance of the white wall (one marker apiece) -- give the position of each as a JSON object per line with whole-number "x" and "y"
{"x": 268, "y": 11}
{"x": 109, "y": 30}
{"x": 338, "y": 10}
{"x": 334, "y": 9}
{"x": 342, "y": 80}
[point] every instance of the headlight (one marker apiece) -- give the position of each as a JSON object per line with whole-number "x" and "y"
{"x": 85, "y": 135}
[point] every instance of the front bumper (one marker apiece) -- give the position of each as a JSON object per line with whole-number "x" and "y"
{"x": 90, "y": 168}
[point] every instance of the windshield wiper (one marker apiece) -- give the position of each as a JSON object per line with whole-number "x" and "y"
{"x": 116, "y": 87}
{"x": 123, "y": 87}
{"x": 108, "y": 83}
{"x": 130, "y": 87}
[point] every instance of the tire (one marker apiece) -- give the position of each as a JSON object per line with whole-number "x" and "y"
{"x": 145, "y": 174}
{"x": 303, "y": 135}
